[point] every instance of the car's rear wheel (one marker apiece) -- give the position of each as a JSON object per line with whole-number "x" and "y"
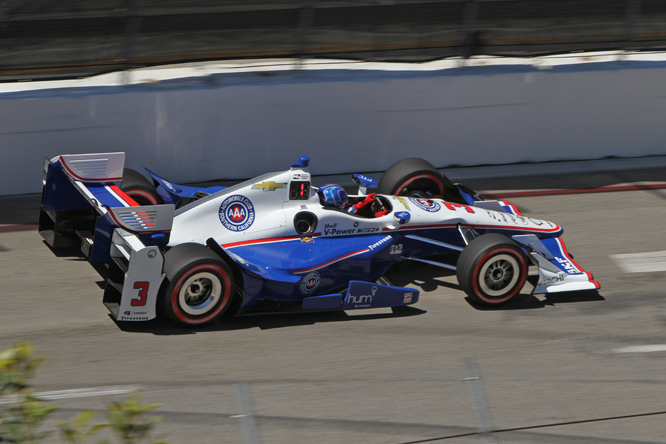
{"x": 417, "y": 177}
{"x": 492, "y": 269}
{"x": 199, "y": 285}
{"x": 136, "y": 186}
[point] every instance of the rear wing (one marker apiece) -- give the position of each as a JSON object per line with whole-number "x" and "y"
{"x": 94, "y": 168}
{"x": 83, "y": 202}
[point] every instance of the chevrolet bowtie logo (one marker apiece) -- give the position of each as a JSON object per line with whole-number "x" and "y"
{"x": 268, "y": 186}
{"x": 402, "y": 201}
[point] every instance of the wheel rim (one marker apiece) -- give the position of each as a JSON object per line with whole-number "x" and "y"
{"x": 422, "y": 182}
{"x": 199, "y": 293}
{"x": 499, "y": 275}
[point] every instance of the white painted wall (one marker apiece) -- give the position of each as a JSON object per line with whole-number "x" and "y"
{"x": 219, "y": 122}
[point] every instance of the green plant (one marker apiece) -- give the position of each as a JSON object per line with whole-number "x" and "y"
{"x": 78, "y": 429}
{"x": 24, "y": 415}
{"x": 128, "y": 419}
{"x": 21, "y": 420}
{"x": 17, "y": 367}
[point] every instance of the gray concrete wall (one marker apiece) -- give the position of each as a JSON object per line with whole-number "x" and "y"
{"x": 241, "y": 123}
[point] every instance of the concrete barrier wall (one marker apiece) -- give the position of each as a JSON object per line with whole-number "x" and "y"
{"x": 238, "y": 123}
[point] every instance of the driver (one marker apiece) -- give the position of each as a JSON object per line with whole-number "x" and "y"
{"x": 334, "y": 196}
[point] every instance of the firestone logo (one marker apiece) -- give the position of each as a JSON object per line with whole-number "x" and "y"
{"x": 237, "y": 213}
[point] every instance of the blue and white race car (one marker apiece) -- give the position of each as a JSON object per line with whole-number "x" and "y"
{"x": 274, "y": 243}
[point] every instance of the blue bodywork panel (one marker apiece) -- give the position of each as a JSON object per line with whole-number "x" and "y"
{"x": 560, "y": 258}
{"x": 326, "y": 302}
{"x": 60, "y": 194}
{"x": 299, "y": 268}
{"x": 362, "y": 295}
{"x": 173, "y": 193}
{"x": 368, "y": 295}
{"x": 365, "y": 181}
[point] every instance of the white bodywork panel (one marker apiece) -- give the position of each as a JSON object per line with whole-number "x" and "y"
{"x": 103, "y": 167}
{"x": 142, "y": 279}
{"x": 203, "y": 219}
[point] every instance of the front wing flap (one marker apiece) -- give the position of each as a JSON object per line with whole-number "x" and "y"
{"x": 557, "y": 270}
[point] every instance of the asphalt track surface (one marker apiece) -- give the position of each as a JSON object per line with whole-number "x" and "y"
{"x": 544, "y": 369}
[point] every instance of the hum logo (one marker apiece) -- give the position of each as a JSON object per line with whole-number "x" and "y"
{"x": 363, "y": 299}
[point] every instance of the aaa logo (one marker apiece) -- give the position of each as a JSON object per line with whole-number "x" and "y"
{"x": 426, "y": 204}
{"x": 237, "y": 213}
{"x": 309, "y": 283}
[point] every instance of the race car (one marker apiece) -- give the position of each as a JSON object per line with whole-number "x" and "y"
{"x": 198, "y": 255}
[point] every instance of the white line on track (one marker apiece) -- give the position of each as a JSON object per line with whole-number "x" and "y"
{"x": 641, "y": 262}
{"x": 79, "y": 393}
{"x": 641, "y": 349}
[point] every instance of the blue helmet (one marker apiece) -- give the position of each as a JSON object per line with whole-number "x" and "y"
{"x": 332, "y": 195}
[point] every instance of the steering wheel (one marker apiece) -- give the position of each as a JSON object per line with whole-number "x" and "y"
{"x": 377, "y": 206}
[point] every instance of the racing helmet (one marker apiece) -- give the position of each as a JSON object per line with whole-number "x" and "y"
{"x": 332, "y": 195}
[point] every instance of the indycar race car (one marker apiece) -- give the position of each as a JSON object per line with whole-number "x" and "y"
{"x": 270, "y": 244}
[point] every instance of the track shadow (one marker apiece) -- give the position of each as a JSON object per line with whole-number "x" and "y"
{"x": 429, "y": 277}
{"x": 573, "y": 296}
{"x": 523, "y": 301}
{"x": 526, "y": 301}
{"x": 424, "y": 276}
{"x": 263, "y": 322}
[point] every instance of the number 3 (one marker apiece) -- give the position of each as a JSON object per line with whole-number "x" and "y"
{"x": 143, "y": 294}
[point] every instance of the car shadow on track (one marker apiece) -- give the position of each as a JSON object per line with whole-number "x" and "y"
{"x": 525, "y": 301}
{"x": 263, "y": 322}
{"x": 429, "y": 278}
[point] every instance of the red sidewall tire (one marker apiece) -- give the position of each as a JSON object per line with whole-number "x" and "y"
{"x": 177, "y": 312}
{"x": 414, "y": 175}
{"x": 522, "y": 276}
{"x": 485, "y": 254}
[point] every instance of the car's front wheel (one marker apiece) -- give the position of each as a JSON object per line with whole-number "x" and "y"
{"x": 492, "y": 269}
{"x": 199, "y": 285}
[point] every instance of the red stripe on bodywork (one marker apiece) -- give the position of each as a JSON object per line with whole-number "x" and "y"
{"x": 542, "y": 230}
{"x": 268, "y": 240}
{"x": 151, "y": 226}
{"x": 124, "y": 196}
{"x": 513, "y": 207}
{"x": 500, "y": 227}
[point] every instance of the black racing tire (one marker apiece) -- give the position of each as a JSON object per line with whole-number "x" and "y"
{"x": 199, "y": 285}
{"x": 416, "y": 176}
{"x": 136, "y": 186}
{"x": 492, "y": 269}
